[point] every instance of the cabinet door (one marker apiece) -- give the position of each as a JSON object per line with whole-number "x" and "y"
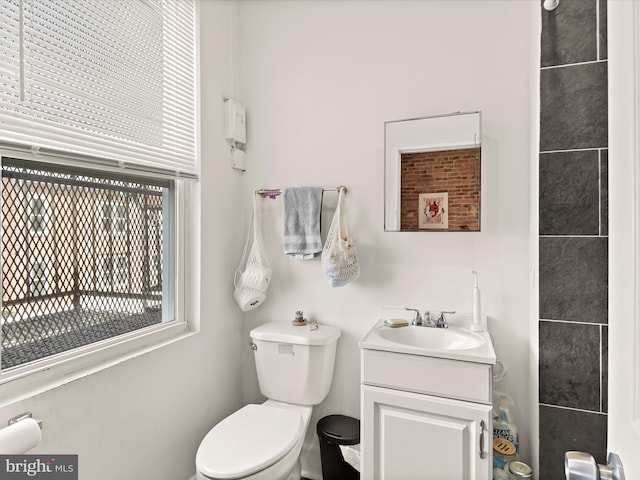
{"x": 412, "y": 436}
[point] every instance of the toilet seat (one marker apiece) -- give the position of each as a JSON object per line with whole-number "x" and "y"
{"x": 249, "y": 440}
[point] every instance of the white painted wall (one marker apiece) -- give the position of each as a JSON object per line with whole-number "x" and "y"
{"x": 319, "y": 78}
{"x": 145, "y": 418}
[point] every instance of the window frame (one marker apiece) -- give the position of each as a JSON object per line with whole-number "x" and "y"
{"x": 183, "y": 305}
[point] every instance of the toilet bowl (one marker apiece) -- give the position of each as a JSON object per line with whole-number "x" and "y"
{"x": 263, "y": 442}
{"x": 258, "y": 442}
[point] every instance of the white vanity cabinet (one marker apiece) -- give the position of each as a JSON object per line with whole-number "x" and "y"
{"x": 425, "y": 417}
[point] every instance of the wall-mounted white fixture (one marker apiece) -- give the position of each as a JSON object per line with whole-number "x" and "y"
{"x": 236, "y": 128}
{"x": 236, "y": 131}
{"x": 551, "y": 4}
{"x": 237, "y": 159}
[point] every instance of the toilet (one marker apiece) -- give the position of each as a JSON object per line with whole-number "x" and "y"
{"x": 263, "y": 441}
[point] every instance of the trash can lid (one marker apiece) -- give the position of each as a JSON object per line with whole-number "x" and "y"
{"x": 339, "y": 429}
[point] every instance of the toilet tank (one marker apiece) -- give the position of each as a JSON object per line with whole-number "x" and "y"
{"x": 295, "y": 363}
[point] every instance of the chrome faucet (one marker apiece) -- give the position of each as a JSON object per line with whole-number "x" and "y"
{"x": 426, "y": 320}
{"x": 420, "y": 320}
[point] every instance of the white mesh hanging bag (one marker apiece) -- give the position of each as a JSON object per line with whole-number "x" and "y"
{"x": 339, "y": 259}
{"x": 252, "y": 281}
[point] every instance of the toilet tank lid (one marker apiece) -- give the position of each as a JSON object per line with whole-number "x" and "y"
{"x": 285, "y": 332}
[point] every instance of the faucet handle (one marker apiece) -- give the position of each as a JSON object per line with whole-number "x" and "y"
{"x": 418, "y": 317}
{"x": 442, "y": 321}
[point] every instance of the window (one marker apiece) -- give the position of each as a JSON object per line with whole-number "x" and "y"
{"x": 114, "y": 272}
{"x": 89, "y": 287}
{"x": 38, "y": 279}
{"x": 38, "y": 214}
{"x": 114, "y": 218}
{"x": 99, "y": 139}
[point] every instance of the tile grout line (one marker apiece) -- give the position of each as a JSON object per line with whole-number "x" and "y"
{"x": 572, "y": 409}
{"x": 570, "y": 150}
{"x": 575, "y": 322}
{"x": 598, "y": 29}
{"x": 595, "y": 235}
{"x": 601, "y": 371}
{"x": 590, "y": 62}
{"x": 600, "y": 192}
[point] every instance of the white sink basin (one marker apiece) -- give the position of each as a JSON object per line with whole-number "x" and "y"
{"x": 432, "y": 338}
{"x": 457, "y": 342}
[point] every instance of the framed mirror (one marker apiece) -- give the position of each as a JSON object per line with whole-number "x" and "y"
{"x": 432, "y": 173}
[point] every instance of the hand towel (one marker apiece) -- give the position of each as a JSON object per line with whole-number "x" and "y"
{"x": 302, "y": 209}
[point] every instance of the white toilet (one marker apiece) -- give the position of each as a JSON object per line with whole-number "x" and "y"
{"x": 263, "y": 442}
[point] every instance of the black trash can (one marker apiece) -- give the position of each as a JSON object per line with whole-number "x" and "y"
{"x": 333, "y": 431}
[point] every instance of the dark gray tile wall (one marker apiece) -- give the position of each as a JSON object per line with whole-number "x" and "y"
{"x": 569, "y": 36}
{"x": 564, "y": 430}
{"x": 573, "y": 110}
{"x": 605, "y": 367}
{"x": 570, "y": 365}
{"x": 573, "y": 220}
{"x": 602, "y": 32}
{"x": 570, "y": 193}
{"x": 573, "y": 278}
{"x": 604, "y": 192}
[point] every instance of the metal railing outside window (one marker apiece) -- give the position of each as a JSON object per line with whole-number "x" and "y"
{"x": 83, "y": 257}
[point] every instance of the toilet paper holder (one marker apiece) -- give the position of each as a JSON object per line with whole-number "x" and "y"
{"x": 24, "y": 416}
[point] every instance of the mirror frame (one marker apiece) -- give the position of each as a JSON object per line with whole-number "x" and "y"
{"x": 459, "y": 130}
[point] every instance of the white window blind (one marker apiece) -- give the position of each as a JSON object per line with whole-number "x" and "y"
{"x": 108, "y": 81}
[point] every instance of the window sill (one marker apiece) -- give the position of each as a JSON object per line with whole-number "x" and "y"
{"x": 41, "y": 376}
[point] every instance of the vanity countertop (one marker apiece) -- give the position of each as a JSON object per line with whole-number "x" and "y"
{"x": 457, "y": 342}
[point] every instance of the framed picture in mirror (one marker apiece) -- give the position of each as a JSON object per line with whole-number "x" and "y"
{"x": 433, "y": 211}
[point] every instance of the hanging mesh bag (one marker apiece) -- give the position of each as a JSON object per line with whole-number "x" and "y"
{"x": 339, "y": 258}
{"x": 252, "y": 278}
